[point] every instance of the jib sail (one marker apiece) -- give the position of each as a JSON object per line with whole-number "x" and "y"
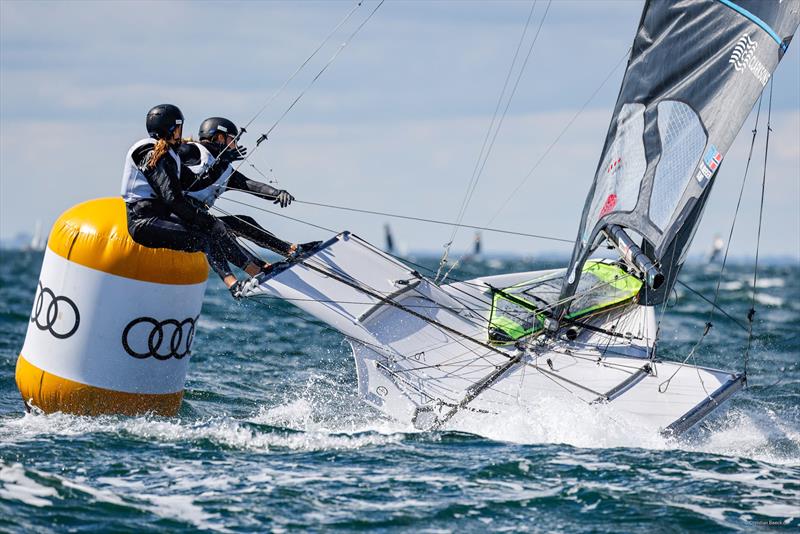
{"x": 695, "y": 71}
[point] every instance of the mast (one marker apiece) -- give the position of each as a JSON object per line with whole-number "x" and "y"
{"x": 696, "y": 69}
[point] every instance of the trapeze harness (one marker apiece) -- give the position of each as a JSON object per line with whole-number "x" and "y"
{"x": 160, "y": 216}
{"x": 199, "y": 159}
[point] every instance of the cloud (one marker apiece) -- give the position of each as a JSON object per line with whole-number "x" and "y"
{"x": 394, "y": 125}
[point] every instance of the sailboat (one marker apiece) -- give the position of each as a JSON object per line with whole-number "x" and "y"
{"x": 38, "y": 242}
{"x": 716, "y": 249}
{"x": 435, "y": 355}
{"x": 388, "y": 239}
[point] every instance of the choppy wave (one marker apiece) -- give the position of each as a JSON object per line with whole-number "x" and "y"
{"x": 272, "y": 436}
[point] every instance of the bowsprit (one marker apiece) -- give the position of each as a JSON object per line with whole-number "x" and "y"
{"x": 162, "y": 340}
{"x": 54, "y": 311}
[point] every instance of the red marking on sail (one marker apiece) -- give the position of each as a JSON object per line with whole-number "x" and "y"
{"x": 614, "y": 165}
{"x": 611, "y": 201}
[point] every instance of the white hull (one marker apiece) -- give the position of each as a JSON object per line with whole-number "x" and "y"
{"x": 423, "y": 355}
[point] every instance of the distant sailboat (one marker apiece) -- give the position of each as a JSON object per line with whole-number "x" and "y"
{"x": 38, "y": 242}
{"x": 389, "y": 239}
{"x": 716, "y": 249}
{"x": 429, "y": 354}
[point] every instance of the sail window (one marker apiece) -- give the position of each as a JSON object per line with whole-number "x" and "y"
{"x": 682, "y": 144}
{"x": 620, "y": 175}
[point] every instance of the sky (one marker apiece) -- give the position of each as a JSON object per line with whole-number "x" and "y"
{"x": 394, "y": 124}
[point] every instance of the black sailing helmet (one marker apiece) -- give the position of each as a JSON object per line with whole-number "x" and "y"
{"x": 162, "y": 121}
{"x": 214, "y": 125}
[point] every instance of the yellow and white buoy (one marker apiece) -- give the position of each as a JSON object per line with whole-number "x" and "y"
{"x": 113, "y": 322}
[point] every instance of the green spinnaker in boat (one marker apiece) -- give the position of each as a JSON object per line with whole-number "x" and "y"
{"x": 521, "y": 309}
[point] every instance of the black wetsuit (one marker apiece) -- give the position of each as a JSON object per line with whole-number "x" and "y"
{"x": 240, "y": 225}
{"x": 172, "y": 221}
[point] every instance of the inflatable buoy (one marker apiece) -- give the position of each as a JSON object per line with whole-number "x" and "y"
{"x": 113, "y": 322}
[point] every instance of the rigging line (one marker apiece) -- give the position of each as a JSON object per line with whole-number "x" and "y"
{"x": 407, "y": 382}
{"x": 488, "y": 303}
{"x": 664, "y": 386}
{"x": 432, "y": 221}
{"x": 265, "y": 210}
{"x": 436, "y": 388}
{"x": 508, "y": 104}
{"x": 600, "y": 360}
{"x": 461, "y": 363}
{"x": 583, "y": 293}
{"x": 418, "y": 219}
{"x": 596, "y": 356}
{"x": 474, "y": 184}
{"x": 717, "y": 306}
{"x": 309, "y": 58}
{"x": 441, "y": 327}
{"x": 335, "y": 301}
{"x": 449, "y": 295}
{"x": 477, "y": 315}
{"x": 344, "y": 278}
{"x": 478, "y": 388}
{"x": 265, "y": 136}
{"x": 275, "y": 95}
{"x": 752, "y": 312}
{"x": 709, "y": 324}
{"x": 391, "y": 302}
{"x": 555, "y": 376}
{"x": 475, "y": 297}
{"x": 381, "y": 349}
{"x": 473, "y": 178}
{"x": 385, "y": 350}
{"x": 495, "y": 126}
{"x": 738, "y": 205}
{"x": 433, "y": 383}
{"x": 558, "y": 138}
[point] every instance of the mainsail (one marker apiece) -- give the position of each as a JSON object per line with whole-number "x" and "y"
{"x": 695, "y": 71}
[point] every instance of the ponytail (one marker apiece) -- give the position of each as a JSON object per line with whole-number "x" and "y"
{"x": 159, "y": 150}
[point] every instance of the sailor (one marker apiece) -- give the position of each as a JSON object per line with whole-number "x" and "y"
{"x": 217, "y": 138}
{"x": 160, "y": 215}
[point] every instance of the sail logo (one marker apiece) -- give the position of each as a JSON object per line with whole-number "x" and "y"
{"x": 713, "y": 158}
{"x": 613, "y": 166}
{"x": 710, "y": 164}
{"x": 611, "y": 201}
{"x": 744, "y": 57}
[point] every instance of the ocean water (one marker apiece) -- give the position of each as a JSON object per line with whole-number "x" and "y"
{"x": 272, "y": 437}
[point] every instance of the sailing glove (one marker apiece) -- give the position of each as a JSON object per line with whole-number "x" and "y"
{"x": 283, "y": 198}
{"x": 242, "y": 150}
{"x": 236, "y": 289}
{"x": 229, "y": 155}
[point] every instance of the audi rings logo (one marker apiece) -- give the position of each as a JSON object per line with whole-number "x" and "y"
{"x": 145, "y": 337}
{"x": 56, "y": 314}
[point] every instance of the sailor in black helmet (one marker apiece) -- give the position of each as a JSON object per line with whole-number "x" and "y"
{"x": 159, "y": 215}
{"x": 218, "y": 138}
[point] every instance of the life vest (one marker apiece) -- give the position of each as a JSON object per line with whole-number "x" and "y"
{"x": 134, "y": 183}
{"x": 211, "y": 193}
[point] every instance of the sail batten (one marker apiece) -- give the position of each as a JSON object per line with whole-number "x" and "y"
{"x": 695, "y": 72}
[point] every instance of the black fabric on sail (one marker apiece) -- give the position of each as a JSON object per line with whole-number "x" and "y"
{"x": 696, "y": 69}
